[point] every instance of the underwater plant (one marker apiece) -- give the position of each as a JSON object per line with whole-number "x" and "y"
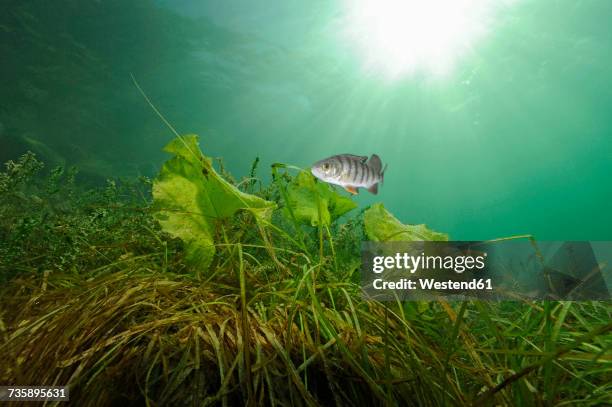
{"x": 381, "y": 226}
{"x": 145, "y": 312}
{"x": 192, "y": 196}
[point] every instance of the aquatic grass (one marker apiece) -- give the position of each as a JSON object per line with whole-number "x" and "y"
{"x": 275, "y": 320}
{"x": 170, "y": 340}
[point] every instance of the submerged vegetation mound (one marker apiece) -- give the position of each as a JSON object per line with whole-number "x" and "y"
{"x": 222, "y": 292}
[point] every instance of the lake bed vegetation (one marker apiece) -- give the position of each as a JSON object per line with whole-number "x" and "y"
{"x": 197, "y": 289}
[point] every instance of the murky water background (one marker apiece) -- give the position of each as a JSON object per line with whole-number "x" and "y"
{"x": 516, "y": 139}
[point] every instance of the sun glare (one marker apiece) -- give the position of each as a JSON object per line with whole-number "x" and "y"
{"x": 400, "y": 37}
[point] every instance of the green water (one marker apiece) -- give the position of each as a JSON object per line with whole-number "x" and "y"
{"x": 515, "y": 139}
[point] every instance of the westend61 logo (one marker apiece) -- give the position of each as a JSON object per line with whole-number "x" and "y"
{"x": 411, "y": 263}
{"x": 495, "y": 270}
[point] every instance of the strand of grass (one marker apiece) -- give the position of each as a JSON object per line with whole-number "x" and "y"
{"x": 313, "y": 275}
{"x": 291, "y": 294}
{"x": 245, "y": 180}
{"x": 387, "y": 362}
{"x": 335, "y": 391}
{"x": 163, "y": 243}
{"x": 287, "y": 236}
{"x": 548, "y": 347}
{"x": 516, "y": 237}
{"x": 257, "y": 246}
{"x": 451, "y": 349}
{"x": 245, "y": 329}
{"x": 225, "y": 390}
{"x": 412, "y": 344}
{"x": 331, "y": 245}
{"x": 161, "y": 116}
{"x": 355, "y": 318}
{"x": 293, "y": 374}
{"x": 320, "y": 226}
{"x": 581, "y": 355}
{"x": 468, "y": 340}
{"x": 86, "y": 243}
{"x": 455, "y": 331}
{"x": 321, "y": 320}
{"x": 285, "y": 196}
{"x": 253, "y": 171}
{"x": 269, "y": 248}
{"x": 488, "y": 395}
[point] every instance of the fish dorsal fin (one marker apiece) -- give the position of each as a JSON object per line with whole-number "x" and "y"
{"x": 375, "y": 164}
{"x": 362, "y": 158}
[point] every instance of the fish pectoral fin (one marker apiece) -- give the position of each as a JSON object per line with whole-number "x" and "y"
{"x": 374, "y": 189}
{"x": 351, "y": 189}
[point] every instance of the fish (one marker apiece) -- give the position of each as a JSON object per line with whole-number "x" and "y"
{"x": 351, "y": 172}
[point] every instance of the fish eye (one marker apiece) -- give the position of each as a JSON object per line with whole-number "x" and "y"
{"x": 326, "y": 166}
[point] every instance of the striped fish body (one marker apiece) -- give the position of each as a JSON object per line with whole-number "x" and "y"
{"x": 351, "y": 172}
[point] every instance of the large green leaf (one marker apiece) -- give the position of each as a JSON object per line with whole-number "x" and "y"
{"x": 311, "y": 201}
{"x": 191, "y": 196}
{"x": 381, "y": 226}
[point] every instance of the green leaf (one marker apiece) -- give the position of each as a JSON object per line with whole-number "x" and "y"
{"x": 312, "y": 201}
{"x": 381, "y": 226}
{"x": 191, "y": 197}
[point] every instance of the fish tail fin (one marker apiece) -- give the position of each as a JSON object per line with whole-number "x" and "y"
{"x": 374, "y": 163}
{"x": 382, "y": 174}
{"x": 376, "y": 166}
